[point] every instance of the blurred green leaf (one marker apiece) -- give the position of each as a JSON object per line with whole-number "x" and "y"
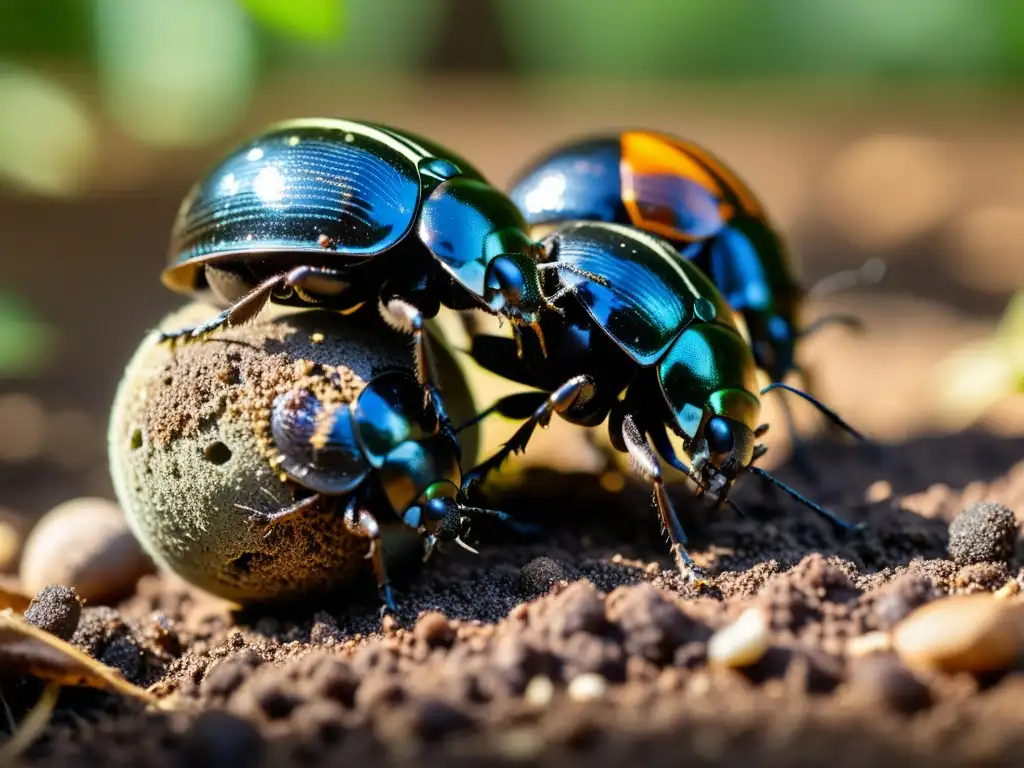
{"x": 317, "y": 20}
{"x": 175, "y": 72}
{"x": 61, "y": 28}
{"x": 47, "y": 139}
{"x": 26, "y": 343}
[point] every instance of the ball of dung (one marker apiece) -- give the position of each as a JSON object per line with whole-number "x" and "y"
{"x": 188, "y": 447}
{"x": 983, "y": 533}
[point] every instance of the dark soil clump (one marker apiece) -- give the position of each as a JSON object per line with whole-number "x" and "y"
{"x": 983, "y": 533}
{"x": 56, "y": 609}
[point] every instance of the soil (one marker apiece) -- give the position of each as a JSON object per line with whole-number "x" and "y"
{"x": 585, "y": 647}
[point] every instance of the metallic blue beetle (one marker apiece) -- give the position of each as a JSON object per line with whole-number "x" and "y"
{"x": 337, "y": 213}
{"x": 385, "y": 450}
{"x": 644, "y": 340}
{"x": 683, "y": 193}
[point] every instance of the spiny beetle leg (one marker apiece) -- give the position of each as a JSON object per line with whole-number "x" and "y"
{"x": 243, "y": 310}
{"x": 269, "y": 520}
{"x": 516, "y": 406}
{"x": 645, "y": 462}
{"x": 361, "y": 523}
{"x": 557, "y": 402}
{"x": 311, "y": 283}
{"x": 404, "y": 317}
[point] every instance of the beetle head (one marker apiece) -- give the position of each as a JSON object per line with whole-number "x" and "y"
{"x": 480, "y": 239}
{"x": 722, "y": 449}
{"x": 708, "y": 379}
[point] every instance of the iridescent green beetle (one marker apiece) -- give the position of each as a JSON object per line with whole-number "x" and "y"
{"x": 643, "y": 339}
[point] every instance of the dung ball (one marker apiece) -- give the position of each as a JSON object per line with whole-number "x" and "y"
{"x": 188, "y": 448}
{"x": 983, "y": 533}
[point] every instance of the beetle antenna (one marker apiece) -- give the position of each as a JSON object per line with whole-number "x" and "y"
{"x": 835, "y": 520}
{"x": 831, "y": 415}
{"x": 870, "y": 272}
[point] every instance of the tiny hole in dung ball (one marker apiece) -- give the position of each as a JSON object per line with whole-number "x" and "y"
{"x": 217, "y": 453}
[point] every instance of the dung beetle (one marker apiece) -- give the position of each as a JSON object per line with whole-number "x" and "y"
{"x": 384, "y": 450}
{"x": 337, "y": 213}
{"x": 643, "y": 339}
{"x": 683, "y": 193}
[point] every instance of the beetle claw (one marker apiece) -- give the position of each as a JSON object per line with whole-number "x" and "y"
{"x": 458, "y": 540}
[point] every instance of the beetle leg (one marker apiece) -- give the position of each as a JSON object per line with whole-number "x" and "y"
{"x": 429, "y": 546}
{"x": 315, "y": 285}
{"x": 645, "y": 463}
{"x": 270, "y": 520}
{"x": 361, "y": 523}
{"x": 558, "y": 401}
{"x": 242, "y": 311}
{"x": 517, "y": 406}
{"x": 406, "y": 318}
{"x": 504, "y": 518}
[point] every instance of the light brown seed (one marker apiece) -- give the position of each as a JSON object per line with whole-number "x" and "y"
{"x": 741, "y": 643}
{"x": 86, "y": 544}
{"x": 962, "y": 633}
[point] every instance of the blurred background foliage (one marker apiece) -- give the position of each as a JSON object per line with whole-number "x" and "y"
{"x": 883, "y": 128}
{"x": 178, "y": 73}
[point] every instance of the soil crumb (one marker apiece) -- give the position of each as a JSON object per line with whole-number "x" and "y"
{"x": 584, "y": 646}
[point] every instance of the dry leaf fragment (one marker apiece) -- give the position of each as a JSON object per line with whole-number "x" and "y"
{"x": 28, "y": 650}
{"x": 13, "y": 598}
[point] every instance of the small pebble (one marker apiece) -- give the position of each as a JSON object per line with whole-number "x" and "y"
{"x": 878, "y": 491}
{"x": 962, "y": 633}
{"x": 86, "y": 544}
{"x": 539, "y": 692}
{"x": 521, "y": 744}
{"x": 983, "y": 533}
{"x": 867, "y": 644}
{"x": 56, "y": 609}
{"x": 217, "y": 738}
{"x": 741, "y": 643}
{"x": 587, "y": 687}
